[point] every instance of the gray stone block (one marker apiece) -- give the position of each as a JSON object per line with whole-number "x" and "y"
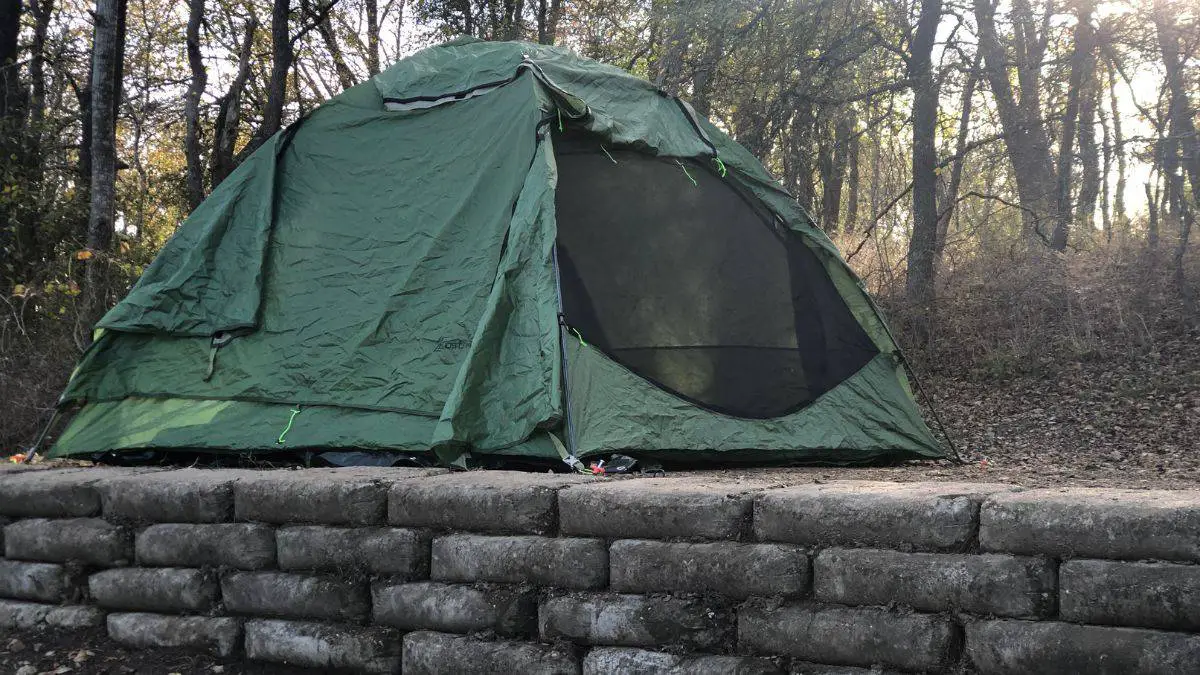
{"x": 850, "y": 636}
{"x": 1001, "y": 585}
{"x": 1008, "y": 647}
{"x": 392, "y": 551}
{"x": 542, "y": 561}
{"x": 177, "y": 496}
{"x": 87, "y": 540}
{"x": 455, "y": 609}
{"x": 346, "y": 496}
{"x": 154, "y": 590}
{"x": 44, "y": 582}
{"x": 1094, "y": 523}
{"x": 732, "y": 569}
{"x": 27, "y": 615}
{"x": 427, "y": 653}
{"x": 624, "y": 661}
{"x": 636, "y": 621}
{"x": 1146, "y": 595}
{"x": 58, "y": 493}
{"x": 246, "y": 546}
{"x": 656, "y": 508}
{"x": 217, "y": 635}
{"x": 481, "y": 501}
{"x": 912, "y": 516}
{"x": 295, "y": 596}
{"x": 318, "y": 645}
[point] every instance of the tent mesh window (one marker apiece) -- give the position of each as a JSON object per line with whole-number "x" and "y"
{"x": 685, "y": 280}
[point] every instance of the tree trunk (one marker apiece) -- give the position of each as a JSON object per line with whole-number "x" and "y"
{"x": 1121, "y": 220}
{"x": 548, "y": 14}
{"x": 281, "y": 66}
{"x": 833, "y": 174}
{"x": 1152, "y": 211}
{"x": 191, "y": 105}
{"x": 106, "y": 50}
{"x": 1081, "y": 67}
{"x": 853, "y": 182}
{"x": 1183, "y": 146}
{"x": 919, "y": 287}
{"x": 1024, "y": 134}
{"x": 372, "y": 10}
{"x": 950, "y": 203}
{"x": 345, "y": 76}
{"x": 42, "y": 11}
{"x": 1105, "y": 173}
{"x": 1089, "y": 154}
{"x": 225, "y": 133}
{"x": 11, "y": 92}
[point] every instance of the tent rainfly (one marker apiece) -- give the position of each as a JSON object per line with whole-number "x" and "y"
{"x": 499, "y": 249}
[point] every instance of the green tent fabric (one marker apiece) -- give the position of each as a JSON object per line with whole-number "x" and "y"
{"x": 409, "y": 268}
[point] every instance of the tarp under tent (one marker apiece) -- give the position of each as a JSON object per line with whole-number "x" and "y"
{"x": 499, "y": 249}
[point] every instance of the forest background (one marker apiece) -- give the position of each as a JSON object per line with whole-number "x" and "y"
{"x": 1016, "y": 181}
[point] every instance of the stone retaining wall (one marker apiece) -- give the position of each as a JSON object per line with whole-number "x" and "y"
{"x": 420, "y": 571}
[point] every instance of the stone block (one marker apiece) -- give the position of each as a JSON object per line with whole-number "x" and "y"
{"x": 44, "y": 582}
{"x": 1008, "y": 647}
{"x": 324, "y": 646}
{"x": 154, "y": 589}
{"x": 246, "y": 546}
{"x": 91, "y": 541}
{"x": 346, "y": 496}
{"x": 1000, "y": 585}
{"x": 455, "y": 609}
{"x": 1145, "y": 595}
{"x": 390, "y": 551}
{"x": 177, "y": 496}
{"x": 428, "y": 653}
{"x": 656, "y": 508}
{"x": 908, "y": 516}
{"x": 515, "y": 502}
{"x": 636, "y": 621}
{"x": 295, "y": 596}
{"x": 729, "y": 568}
{"x": 32, "y": 615}
{"x": 217, "y": 635}
{"x": 625, "y": 661}
{"x": 542, "y": 561}
{"x": 850, "y": 636}
{"x": 56, "y": 493}
{"x": 1094, "y": 523}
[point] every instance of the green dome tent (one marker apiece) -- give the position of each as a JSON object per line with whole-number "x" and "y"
{"x": 499, "y": 249}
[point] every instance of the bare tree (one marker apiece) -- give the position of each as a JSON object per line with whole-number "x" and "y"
{"x": 921, "y": 248}
{"x": 1082, "y": 65}
{"x": 1021, "y": 118}
{"x": 191, "y": 105}
{"x": 229, "y": 107}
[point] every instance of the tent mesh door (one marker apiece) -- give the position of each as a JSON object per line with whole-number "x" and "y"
{"x": 692, "y": 287}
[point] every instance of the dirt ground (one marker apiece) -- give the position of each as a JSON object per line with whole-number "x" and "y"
{"x": 58, "y": 652}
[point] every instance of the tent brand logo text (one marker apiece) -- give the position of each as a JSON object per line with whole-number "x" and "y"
{"x": 451, "y": 343}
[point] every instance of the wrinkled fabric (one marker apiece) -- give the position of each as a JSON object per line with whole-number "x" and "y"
{"x": 867, "y": 417}
{"x": 390, "y": 272}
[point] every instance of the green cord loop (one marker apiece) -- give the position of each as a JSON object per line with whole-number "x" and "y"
{"x": 581, "y": 342}
{"x": 720, "y": 166}
{"x": 607, "y": 153}
{"x": 560, "y": 126}
{"x": 295, "y": 411}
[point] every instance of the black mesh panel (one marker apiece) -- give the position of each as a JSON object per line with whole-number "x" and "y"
{"x": 692, "y": 288}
